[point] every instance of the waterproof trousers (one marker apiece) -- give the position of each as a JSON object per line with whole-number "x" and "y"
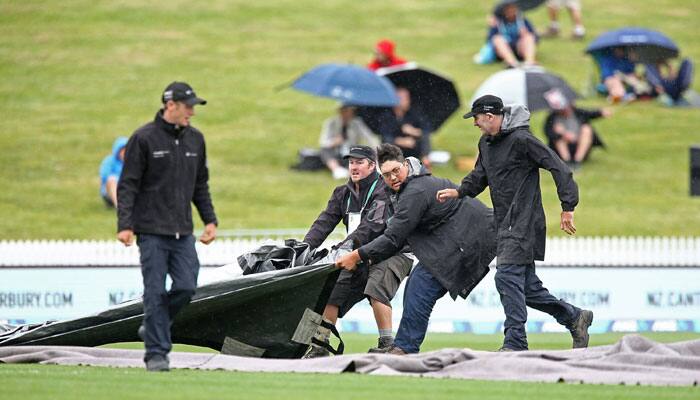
{"x": 161, "y": 256}
{"x": 519, "y": 288}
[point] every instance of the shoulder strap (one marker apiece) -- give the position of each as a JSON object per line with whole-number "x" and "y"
{"x": 327, "y": 346}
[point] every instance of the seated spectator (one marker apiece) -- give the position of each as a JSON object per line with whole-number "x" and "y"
{"x": 574, "y": 7}
{"x": 339, "y": 133}
{"x": 669, "y": 82}
{"x": 385, "y": 56}
{"x": 569, "y": 130}
{"x": 511, "y": 38}
{"x": 618, "y": 78}
{"x": 405, "y": 127}
{"x": 110, "y": 170}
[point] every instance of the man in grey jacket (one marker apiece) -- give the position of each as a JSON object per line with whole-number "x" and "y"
{"x": 339, "y": 134}
{"x": 509, "y": 161}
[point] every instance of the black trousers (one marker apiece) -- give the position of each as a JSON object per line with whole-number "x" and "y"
{"x": 519, "y": 286}
{"x": 161, "y": 256}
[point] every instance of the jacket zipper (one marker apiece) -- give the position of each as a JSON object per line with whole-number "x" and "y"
{"x": 177, "y": 160}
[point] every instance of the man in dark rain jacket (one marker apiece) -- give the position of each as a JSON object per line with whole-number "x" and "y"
{"x": 165, "y": 172}
{"x": 363, "y": 205}
{"x": 454, "y": 242}
{"x": 509, "y": 161}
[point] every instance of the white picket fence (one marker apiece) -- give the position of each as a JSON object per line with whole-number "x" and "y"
{"x": 580, "y": 252}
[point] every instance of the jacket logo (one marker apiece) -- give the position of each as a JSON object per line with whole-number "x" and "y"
{"x": 188, "y": 154}
{"x": 160, "y": 153}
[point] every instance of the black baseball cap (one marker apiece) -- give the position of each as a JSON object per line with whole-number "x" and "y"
{"x": 181, "y": 91}
{"x": 486, "y": 104}
{"x": 362, "y": 152}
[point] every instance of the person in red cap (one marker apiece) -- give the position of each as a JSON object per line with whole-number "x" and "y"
{"x": 384, "y": 56}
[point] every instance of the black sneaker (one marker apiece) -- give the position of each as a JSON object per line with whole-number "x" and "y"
{"x": 158, "y": 363}
{"x": 316, "y": 351}
{"x": 505, "y": 349}
{"x": 384, "y": 344}
{"x": 579, "y": 329}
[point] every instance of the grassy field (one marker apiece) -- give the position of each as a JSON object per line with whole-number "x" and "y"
{"x": 60, "y": 382}
{"x": 78, "y": 73}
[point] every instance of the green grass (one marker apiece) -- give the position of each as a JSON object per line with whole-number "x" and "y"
{"x": 75, "y": 383}
{"x": 78, "y": 73}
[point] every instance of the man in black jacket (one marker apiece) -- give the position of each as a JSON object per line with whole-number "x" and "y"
{"x": 454, "y": 242}
{"x": 509, "y": 161}
{"x": 165, "y": 170}
{"x": 362, "y": 204}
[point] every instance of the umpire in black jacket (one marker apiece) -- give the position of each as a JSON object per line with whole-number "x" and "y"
{"x": 454, "y": 242}
{"x": 165, "y": 170}
{"x": 509, "y": 161}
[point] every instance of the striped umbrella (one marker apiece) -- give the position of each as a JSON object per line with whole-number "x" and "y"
{"x": 526, "y": 86}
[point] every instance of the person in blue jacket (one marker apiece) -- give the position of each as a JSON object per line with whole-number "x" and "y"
{"x": 110, "y": 169}
{"x": 511, "y": 36}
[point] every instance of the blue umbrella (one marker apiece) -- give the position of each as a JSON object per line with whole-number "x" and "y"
{"x": 649, "y": 46}
{"x": 349, "y": 84}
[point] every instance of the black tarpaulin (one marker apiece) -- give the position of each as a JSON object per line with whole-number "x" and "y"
{"x": 271, "y": 314}
{"x": 271, "y": 257}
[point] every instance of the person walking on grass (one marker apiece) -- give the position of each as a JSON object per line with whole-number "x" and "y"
{"x": 508, "y": 163}
{"x": 165, "y": 171}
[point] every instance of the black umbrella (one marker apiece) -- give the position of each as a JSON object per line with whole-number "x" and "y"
{"x": 434, "y": 95}
{"x": 523, "y": 5}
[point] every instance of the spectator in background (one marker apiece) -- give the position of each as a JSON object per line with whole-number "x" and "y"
{"x": 617, "y": 75}
{"x": 385, "y": 56}
{"x": 405, "y": 127}
{"x": 569, "y": 129}
{"x": 668, "y": 82}
{"x": 574, "y": 7}
{"x": 110, "y": 170}
{"x": 511, "y": 37}
{"x": 339, "y": 134}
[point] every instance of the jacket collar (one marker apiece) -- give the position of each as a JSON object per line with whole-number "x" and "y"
{"x": 365, "y": 183}
{"x": 172, "y": 129}
{"x": 502, "y": 134}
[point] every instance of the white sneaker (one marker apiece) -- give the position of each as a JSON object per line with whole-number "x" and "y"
{"x": 340, "y": 173}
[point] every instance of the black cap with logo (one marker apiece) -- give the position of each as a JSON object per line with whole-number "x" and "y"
{"x": 181, "y": 91}
{"x": 362, "y": 152}
{"x": 486, "y": 104}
